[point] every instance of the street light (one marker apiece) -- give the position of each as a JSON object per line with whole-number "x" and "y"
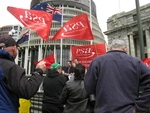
{"x": 12, "y": 32}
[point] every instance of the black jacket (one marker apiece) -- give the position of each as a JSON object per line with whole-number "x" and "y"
{"x": 75, "y": 97}
{"x": 53, "y": 85}
{"x": 19, "y": 85}
{"x": 115, "y": 79}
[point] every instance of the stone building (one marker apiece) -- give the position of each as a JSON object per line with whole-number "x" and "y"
{"x": 124, "y": 25}
{"x": 35, "y": 49}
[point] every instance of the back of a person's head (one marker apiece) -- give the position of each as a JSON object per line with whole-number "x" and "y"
{"x": 79, "y": 72}
{"x": 118, "y": 44}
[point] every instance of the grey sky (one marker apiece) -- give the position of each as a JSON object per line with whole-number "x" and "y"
{"x": 105, "y": 9}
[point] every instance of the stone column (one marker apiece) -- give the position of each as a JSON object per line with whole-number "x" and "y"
{"x": 39, "y": 53}
{"x": 132, "y": 47}
{"x": 26, "y": 59}
{"x": 21, "y": 62}
{"x": 16, "y": 59}
{"x": 147, "y": 33}
{"x": 29, "y": 67}
{"x": 127, "y": 44}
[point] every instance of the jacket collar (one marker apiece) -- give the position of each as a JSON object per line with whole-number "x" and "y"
{"x": 116, "y": 51}
{"x": 6, "y": 55}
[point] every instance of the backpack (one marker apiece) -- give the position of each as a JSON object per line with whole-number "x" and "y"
{"x": 6, "y": 105}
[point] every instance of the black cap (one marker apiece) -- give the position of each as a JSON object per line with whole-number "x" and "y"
{"x": 8, "y": 41}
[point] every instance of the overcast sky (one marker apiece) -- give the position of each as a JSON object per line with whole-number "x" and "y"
{"x": 105, "y": 9}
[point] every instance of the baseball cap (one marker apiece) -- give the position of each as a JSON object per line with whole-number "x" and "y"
{"x": 8, "y": 41}
{"x": 55, "y": 66}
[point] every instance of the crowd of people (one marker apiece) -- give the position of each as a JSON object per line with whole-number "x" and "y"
{"x": 110, "y": 85}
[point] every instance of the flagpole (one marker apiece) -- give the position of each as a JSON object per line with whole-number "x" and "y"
{"x": 61, "y": 40}
{"x": 45, "y": 51}
{"x": 55, "y": 54}
{"x": 90, "y": 10}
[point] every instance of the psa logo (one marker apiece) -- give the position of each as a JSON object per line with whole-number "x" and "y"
{"x": 32, "y": 20}
{"x": 84, "y": 53}
{"x": 73, "y": 28}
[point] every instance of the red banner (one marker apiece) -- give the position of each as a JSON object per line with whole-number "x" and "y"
{"x": 49, "y": 60}
{"x": 87, "y": 53}
{"x": 146, "y": 61}
{"x": 39, "y": 21}
{"x": 77, "y": 28}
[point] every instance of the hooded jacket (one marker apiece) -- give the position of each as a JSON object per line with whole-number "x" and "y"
{"x": 52, "y": 85}
{"x": 18, "y": 85}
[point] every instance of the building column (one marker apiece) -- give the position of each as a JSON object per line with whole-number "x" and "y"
{"x": 21, "y": 62}
{"x": 16, "y": 59}
{"x": 127, "y": 44}
{"x": 39, "y": 53}
{"x": 29, "y": 67}
{"x": 132, "y": 47}
{"x": 26, "y": 59}
{"x": 147, "y": 33}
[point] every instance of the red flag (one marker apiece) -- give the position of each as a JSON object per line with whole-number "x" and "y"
{"x": 87, "y": 53}
{"x": 49, "y": 60}
{"x": 146, "y": 61}
{"x": 78, "y": 28}
{"x": 39, "y": 21}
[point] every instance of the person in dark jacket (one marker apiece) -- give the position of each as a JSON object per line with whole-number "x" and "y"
{"x": 74, "y": 96}
{"x": 115, "y": 79}
{"x": 17, "y": 84}
{"x": 53, "y": 85}
{"x": 69, "y": 70}
{"x": 76, "y": 62}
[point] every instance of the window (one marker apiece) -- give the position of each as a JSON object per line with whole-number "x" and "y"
{"x": 15, "y": 27}
{"x": 134, "y": 17}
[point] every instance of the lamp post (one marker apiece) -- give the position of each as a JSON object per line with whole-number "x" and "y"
{"x": 140, "y": 31}
{"x": 12, "y": 32}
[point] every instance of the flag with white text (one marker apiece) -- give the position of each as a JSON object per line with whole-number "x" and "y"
{"x": 77, "y": 27}
{"x": 86, "y": 53}
{"x": 39, "y": 21}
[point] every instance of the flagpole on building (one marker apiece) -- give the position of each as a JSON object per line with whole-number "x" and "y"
{"x": 61, "y": 40}
{"x": 90, "y": 11}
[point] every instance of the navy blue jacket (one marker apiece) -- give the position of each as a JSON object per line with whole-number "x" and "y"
{"x": 115, "y": 78}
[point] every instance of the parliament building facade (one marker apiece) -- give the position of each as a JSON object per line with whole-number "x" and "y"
{"x": 124, "y": 25}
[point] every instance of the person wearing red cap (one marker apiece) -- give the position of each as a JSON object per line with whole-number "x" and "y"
{"x": 18, "y": 85}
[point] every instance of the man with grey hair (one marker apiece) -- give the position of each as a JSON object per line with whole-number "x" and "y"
{"x": 118, "y": 44}
{"x": 115, "y": 79}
